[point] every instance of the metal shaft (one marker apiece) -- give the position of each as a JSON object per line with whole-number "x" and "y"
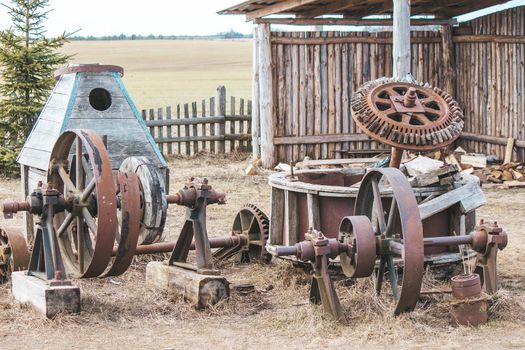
{"x": 448, "y": 241}
{"x": 167, "y": 247}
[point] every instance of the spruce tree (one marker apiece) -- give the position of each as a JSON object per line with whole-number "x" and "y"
{"x": 27, "y": 61}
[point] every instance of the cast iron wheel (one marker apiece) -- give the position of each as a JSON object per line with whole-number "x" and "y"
{"x": 400, "y": 232}
{"x": 80, "y": 169}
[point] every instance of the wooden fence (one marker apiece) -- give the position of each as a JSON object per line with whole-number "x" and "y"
{"x": 308, "y": 79}
{"x": 490, "y": 82}
{"x": 194, "y": 127}
{"x": 314, "y": 78}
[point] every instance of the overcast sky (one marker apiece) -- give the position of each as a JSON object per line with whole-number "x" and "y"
{"x": 108, "y": 17}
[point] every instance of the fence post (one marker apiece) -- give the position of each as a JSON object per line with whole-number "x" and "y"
{"x": 221, "y": 111}
{"x": 168, "y": 130}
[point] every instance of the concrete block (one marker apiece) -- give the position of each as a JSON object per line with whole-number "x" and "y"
{"x": 200, "y": 289}
{"x": 46, "y": 298}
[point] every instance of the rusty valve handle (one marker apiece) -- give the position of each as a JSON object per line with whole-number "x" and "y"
{"x": 11, "y": 207}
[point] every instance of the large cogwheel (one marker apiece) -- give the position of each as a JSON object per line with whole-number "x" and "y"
{"x": 406, "y": 115}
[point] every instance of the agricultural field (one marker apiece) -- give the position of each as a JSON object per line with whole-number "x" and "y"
{"x": 161, "y": 73}
{"x": 121, "y": 313}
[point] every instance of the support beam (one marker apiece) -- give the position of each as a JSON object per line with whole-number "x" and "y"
{"x": 352, "y": 21}
{"x": 278, "y": 7}
{"x": 401, "y": 38}
{"x": 266, "y": 109}
{"x": 400, "y": 54}
{"x": 330, "y": 8}
{"x": 448, "y": 60}
{"x": 256, "y": 122}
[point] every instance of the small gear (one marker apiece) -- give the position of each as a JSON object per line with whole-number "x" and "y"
{"x": 406, "y": 115}
{"x": 250, "y": 218}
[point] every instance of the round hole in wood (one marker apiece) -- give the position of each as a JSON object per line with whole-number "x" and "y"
{"x": 100, "y": 99}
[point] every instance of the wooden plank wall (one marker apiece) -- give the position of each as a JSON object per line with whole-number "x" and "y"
{"x": 215, "y": 125}
{"x": 315, "y": 76}
{"x": 490, "y": 82}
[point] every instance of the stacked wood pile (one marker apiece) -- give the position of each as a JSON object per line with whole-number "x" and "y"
{"x": 509, "y": 175}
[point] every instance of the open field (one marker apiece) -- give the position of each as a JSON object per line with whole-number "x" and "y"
{"x": 160, "y": 73}
{"x": 120, "y": 313}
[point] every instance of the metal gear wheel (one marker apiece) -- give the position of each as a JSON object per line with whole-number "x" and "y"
{"x": 405, "y": 115}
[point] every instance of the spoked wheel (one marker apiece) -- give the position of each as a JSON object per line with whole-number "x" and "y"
{"x": 153, "y": 191}
{"x": 252, "y": 222}
{"x": 130, "y": 214}
{"x": 400, "y": 232}
{"x": 86, "y": 229}
{"x": 14, "y": 255}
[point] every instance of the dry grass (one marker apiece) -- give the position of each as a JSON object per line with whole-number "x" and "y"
{"x": 161, "y": 73}
{"x": 121, "y": 313}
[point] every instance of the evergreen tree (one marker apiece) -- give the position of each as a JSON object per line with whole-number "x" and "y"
{"x": 27, "y": 62}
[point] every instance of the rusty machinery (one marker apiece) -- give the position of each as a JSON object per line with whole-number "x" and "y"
{"x": 386, "y": 228}
{"x": 387, "y": 234}
{"x": 14, "y": 255}
{"x": 91, "y": 222}
{"x": 406, "y": 116}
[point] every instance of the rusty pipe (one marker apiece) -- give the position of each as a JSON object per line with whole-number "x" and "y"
{"x": 395, "y": 157}
{"x": 167, "y": 247}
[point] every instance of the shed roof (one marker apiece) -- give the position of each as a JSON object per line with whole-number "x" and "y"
{"x": 254, "y": 9}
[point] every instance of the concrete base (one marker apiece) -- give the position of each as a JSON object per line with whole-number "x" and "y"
{"x": 200, "y": 289}
{"x": 47, "y": 298}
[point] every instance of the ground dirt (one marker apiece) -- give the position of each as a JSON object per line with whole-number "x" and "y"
{"x": 120, "y": 313}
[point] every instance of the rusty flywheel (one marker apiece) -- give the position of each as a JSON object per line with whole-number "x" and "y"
{"x": 410, "y": 116}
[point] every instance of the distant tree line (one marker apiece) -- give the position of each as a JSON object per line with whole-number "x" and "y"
{"x": 224, "y": 35}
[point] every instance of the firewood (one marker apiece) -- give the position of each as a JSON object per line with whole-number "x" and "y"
{"x": 506, "y": 175}
{"x": 513, "y": 184}
{"x": 496, "y": 173}
{"x": 517, "y": 175}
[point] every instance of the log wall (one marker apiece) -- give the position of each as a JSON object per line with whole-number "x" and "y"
{"x": 490, "y": 81}
{"x": 313, "y": 76}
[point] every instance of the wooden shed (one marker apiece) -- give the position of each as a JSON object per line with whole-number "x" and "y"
{"x": 303, "y": 79}
{"x": 92, "y": 97}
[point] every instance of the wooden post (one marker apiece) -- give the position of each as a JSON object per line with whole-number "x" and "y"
{"x": 266, "y": 95}
{"x": 401, "y": 38}
{"x": 160, "y": 131}
{"x": 232, "y": 123}
{"x": 187, "y": 129}
{"x": 448, "y": 59}
{"x": 255, "y": 123}
{"x": 195, "y": 130}
{"x": 221, "y": 112}
{"x": 26, "y": 191}
{"x": 508, "y": 150}
{"x": 212, "y": 125}
{"x": 400, "y": 53}
{"x": 168, "y": 130}
{"x": 152, "y": 117}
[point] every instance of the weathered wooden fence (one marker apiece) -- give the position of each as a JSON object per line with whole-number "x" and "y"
{"x": 309, "y": 79}
{"x": 490, "y": 82}
{"x": 202, "y": 126}
{"x": 314, "y": 78}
